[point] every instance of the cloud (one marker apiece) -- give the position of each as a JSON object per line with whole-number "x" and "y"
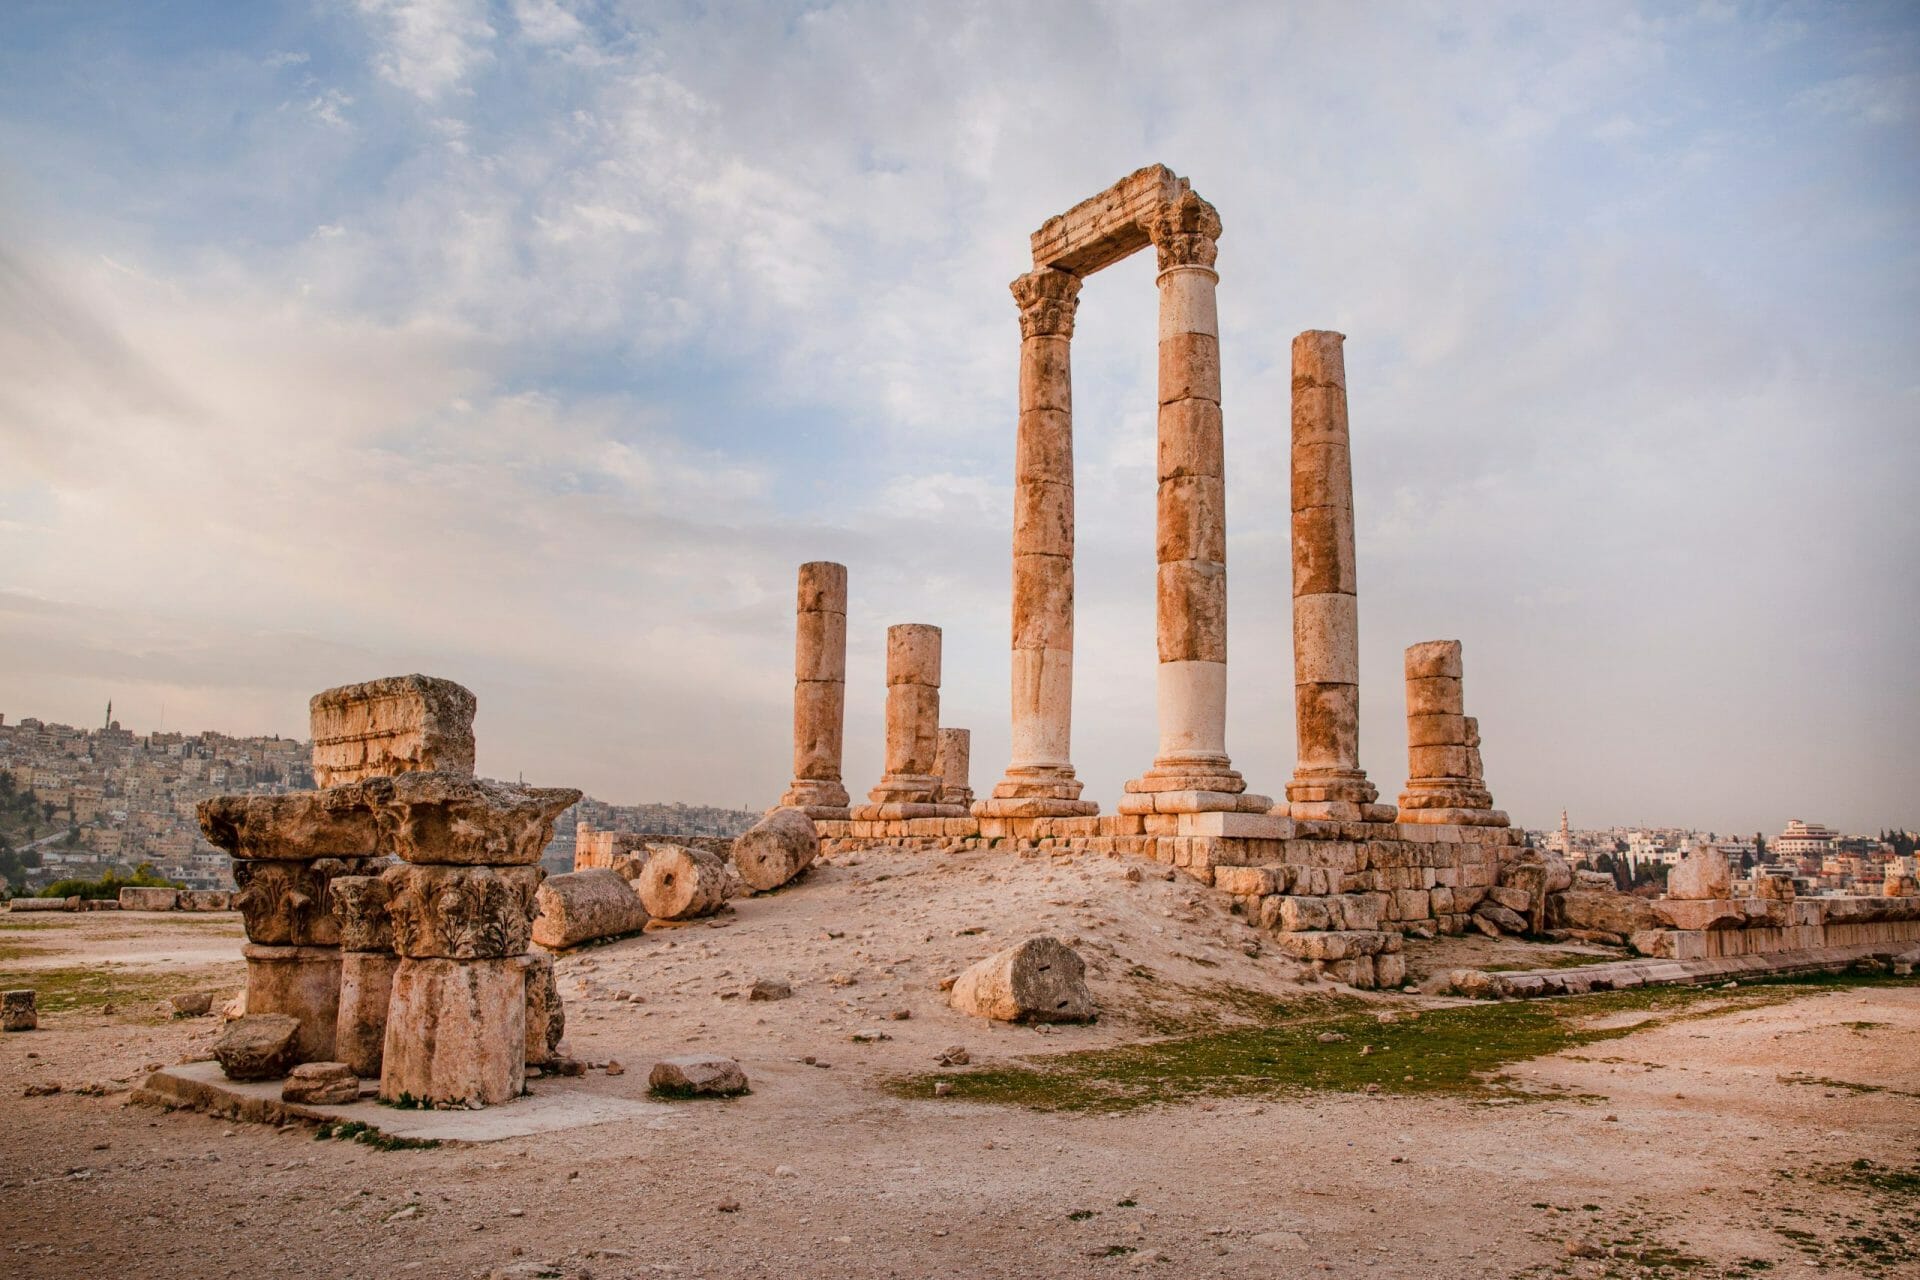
{"x": 431, "y": 46}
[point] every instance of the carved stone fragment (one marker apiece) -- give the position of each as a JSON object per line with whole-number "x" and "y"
{"x": 460, "y": 912}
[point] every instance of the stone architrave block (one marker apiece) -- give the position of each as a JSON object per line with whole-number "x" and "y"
{"x": 145, "y": 899}
{"x": 461, "y": 912}
{"x": 447, "y": 819}
{"x": 337, "y": 822}
{"x": 400, "y": 724}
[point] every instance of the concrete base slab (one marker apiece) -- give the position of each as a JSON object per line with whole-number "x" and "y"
{"x": 552, "y": 1107}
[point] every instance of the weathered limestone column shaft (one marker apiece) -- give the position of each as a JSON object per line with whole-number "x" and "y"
{"x": 1191, "y": 771}
{"x": 819, "y": 691}
{"x": 1328, "y": 781}
{"x": 1040, "y": 781}
{"x": 1444, "y": 774}
{"x": 954, "y": 763}
{"x": 911, "y": 785}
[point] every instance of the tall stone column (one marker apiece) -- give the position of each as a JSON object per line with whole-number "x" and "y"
{"x": 819, "y": 691}
{"x": 1328, "y": 782}
{"x": 1191, "y": 771}
{"x": 911, "y": 786}
{"x": 1040, "y": 781}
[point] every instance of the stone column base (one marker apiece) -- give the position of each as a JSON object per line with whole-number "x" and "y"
{"x": 1142, "y": 803}
{"x": 456, "y": 1032}
{"x": 303, "y": 983}
{"x": 366, "y": 984}
{"x": 999, "y": 806}
{"x": 816, "y": 794}
{"x": 907, "y": 788}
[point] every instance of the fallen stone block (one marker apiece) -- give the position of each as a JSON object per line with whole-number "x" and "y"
{"x": 771, "y": 989}
{"x": 148, "y": 899}
{"x": 582, "y": 906}
{"x": 321, "y": 1084}
{"x": 1701, "y": 875}
{"x": 205, "y": 900}
{"x": 697, "y": 1075}
{"x": 19, "y": 1011}
{"x": 259, "y": 1046}
{"x": 400, "y": 724}
{"x": 776, "y": 849}
{"x": 1502, "y": 918}
{"x": 44, "y": 904}
{"x": 1518, "y": 901}
{"x": 1695, "y": 913}
{"x": 1604, "y": 909}
{"x": 1039, "y": 980}
{"x": 190, "y": 1004}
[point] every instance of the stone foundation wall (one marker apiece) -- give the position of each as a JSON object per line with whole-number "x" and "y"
{"x": 1338, "y": 895}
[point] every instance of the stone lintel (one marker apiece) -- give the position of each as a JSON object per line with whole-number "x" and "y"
{"x": 1103, "y": 229}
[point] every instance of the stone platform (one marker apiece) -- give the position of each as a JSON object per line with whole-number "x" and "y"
{"x": 552, "y": 1108}
{"x": 1619, "y": 975}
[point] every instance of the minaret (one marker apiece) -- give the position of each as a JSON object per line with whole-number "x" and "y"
{"x": 108, "y": 723}
{"x": 1566, "y": 836}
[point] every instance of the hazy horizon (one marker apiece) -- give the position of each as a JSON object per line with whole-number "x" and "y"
{"x": 534, "y": 344}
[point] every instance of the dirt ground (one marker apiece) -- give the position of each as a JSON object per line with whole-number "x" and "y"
{"x": 1716, "y": 1144}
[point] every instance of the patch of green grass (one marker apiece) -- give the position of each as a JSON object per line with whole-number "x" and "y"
{"x": 1458, "y": 1051}
{"x": 15, "y": 950}
{"x": 367, "y": 1135}
{"x": 91, "y": 990}
{"x": 1862, "y": 1026}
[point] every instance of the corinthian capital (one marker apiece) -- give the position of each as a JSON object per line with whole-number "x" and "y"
{"x": 1186, "y": 232}
{"x": 1047, "y": 299}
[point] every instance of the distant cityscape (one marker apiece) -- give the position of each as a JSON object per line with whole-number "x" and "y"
{"x": 84, "y": 803}
{"x": 1818, "y": 858}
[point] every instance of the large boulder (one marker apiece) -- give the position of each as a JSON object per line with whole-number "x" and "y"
{"x": 1701, "y": 876}
{"x": 1040, "y": 980}
{"x": 776, "y": 849}
{"x": 260, "y": 1046}
{"x": 581, "y": 906}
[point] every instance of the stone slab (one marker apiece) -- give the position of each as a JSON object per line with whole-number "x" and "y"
{"x": 552, "y": 1107}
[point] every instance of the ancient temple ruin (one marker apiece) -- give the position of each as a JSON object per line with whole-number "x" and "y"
{"x": 1340, "y": 877}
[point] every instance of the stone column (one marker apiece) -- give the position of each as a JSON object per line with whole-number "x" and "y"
{"x": 1191, "y": 771}
{"x": 1444, "y": 774}
{"x": 1328, "y": 782}
{"x": 911, "y": 786}
{"x": 819, "y": 691}
{"x": 954, "y": 763}
{"x": 1040, "y": 781}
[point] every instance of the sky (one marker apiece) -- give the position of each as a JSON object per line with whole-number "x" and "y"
{"x": 534, "y": 343}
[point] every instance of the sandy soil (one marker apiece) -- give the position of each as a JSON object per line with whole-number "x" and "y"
{"x": 1676, "y": 1138}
